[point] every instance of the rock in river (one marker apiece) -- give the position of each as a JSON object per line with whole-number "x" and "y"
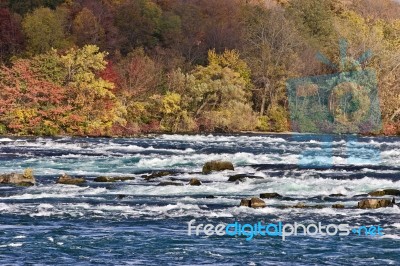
{"x": 68, "y": 180}
{"x": 157, "y": 174}
{"x": 385, "y": 192}
{"x": 242, "y": 177}
{"x": 271, "y": 195}
{"x": 217, "y": 166}
{"x": 375, "y": 203}
{"x": 337, "y": 195}
{"x": 25, "y": 179}
{"x": 194, "y": 182}
{"x": 169, "y": 183}
{"x": 112, "y": 179}
{"x": 253, "y": 203}
{"x": 338, "y": 206}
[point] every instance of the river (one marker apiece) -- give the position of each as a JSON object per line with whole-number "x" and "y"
{"x": 137, "y": 222}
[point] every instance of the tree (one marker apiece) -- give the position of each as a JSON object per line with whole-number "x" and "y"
{"x": 44, "y": 30}
{"x": 139, "y": 74}
{"x": 11, "y": 38}
{"x": 91, "y": 97}
{"x": 139, "y": 23}
{"x": 208, "y": 25}
{"x": 219, "y": 95}
{"x": 270, "y": 50}
{"x": 314, "y": 19}
{"x": 87, "y": 29}
{"x": 25, "y": 6}
{"x": 29, "y": 104}
{"x": 382, "y": 38}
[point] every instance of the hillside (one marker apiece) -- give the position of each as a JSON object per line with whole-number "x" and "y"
{"x": 123, "y": 67}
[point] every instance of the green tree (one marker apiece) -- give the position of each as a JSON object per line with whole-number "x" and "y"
{"x": 44, "y": 30}
{"x": 315, "y": 19}
{"x": 219, "y": 96}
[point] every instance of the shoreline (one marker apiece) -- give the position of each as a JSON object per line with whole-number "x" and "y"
{"x": 150, "y": 134}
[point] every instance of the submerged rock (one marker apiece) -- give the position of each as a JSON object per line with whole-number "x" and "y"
{"x": 271, "y": 195}
{"x": 195, "y": 182}
{"x": 338, "y": 206}
{"x": 103, "y": 179}
{"x": 253, "y": 203}
{"x": 337, "y": 195}
{"x": 300, "y": 205}
{"x": 385, "y": 192}
{"x": 217, "y": 166}
{"x": 107, "y": 179}
{"x": 242, "y": 177}
{"x": 375, "y": 203}
{"x": 25, "y": 179}
{"x": 169, "y": 183}
{"x": 360, "y": 196}
{"x": 157, "y": 174}
{"x": 68, "y": 180}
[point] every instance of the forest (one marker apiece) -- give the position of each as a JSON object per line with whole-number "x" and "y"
{"x": 127, "y": 67}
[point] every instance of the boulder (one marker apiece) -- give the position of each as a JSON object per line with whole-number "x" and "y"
{"x": 195, "y": 182}
{"x": 374, "y": 203}
{"x": 253, "y": 203}
{"x": 385, "y": 192}
{"x": 112, "y": 179}
{"x": 242, "y": 177}
{"x": 68, "y": 180}
{"x": 300, "y": 205}
{"x": 257, "y": 203}
{"x": 217, "y": 166}
{"x": 25, "y": 179}
{"x": 272, "y": 195}
{"x": 338, "y": 206}
{"x": 169, "y": 183}
{"x": 157, "y": 174}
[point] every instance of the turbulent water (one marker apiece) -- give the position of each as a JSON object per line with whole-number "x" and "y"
{"x": 92, "y": 224}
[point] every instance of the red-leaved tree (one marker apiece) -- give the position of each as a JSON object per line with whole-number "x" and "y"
{"x": 31, "y": 105}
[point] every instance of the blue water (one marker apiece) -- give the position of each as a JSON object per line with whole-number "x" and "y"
{"x": 52, "y": 224}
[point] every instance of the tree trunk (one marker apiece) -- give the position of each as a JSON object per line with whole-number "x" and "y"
{"x": 263, "y": 99}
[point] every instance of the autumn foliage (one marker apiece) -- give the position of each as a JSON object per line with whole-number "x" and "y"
{"x": 122, "y": 67}
{"x": 29, "y": 104}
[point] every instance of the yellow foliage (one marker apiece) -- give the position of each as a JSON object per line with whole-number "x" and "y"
{"x": 171, "y": 103}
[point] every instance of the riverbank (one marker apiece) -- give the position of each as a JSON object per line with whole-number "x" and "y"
{"x": 194, "y": 133}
